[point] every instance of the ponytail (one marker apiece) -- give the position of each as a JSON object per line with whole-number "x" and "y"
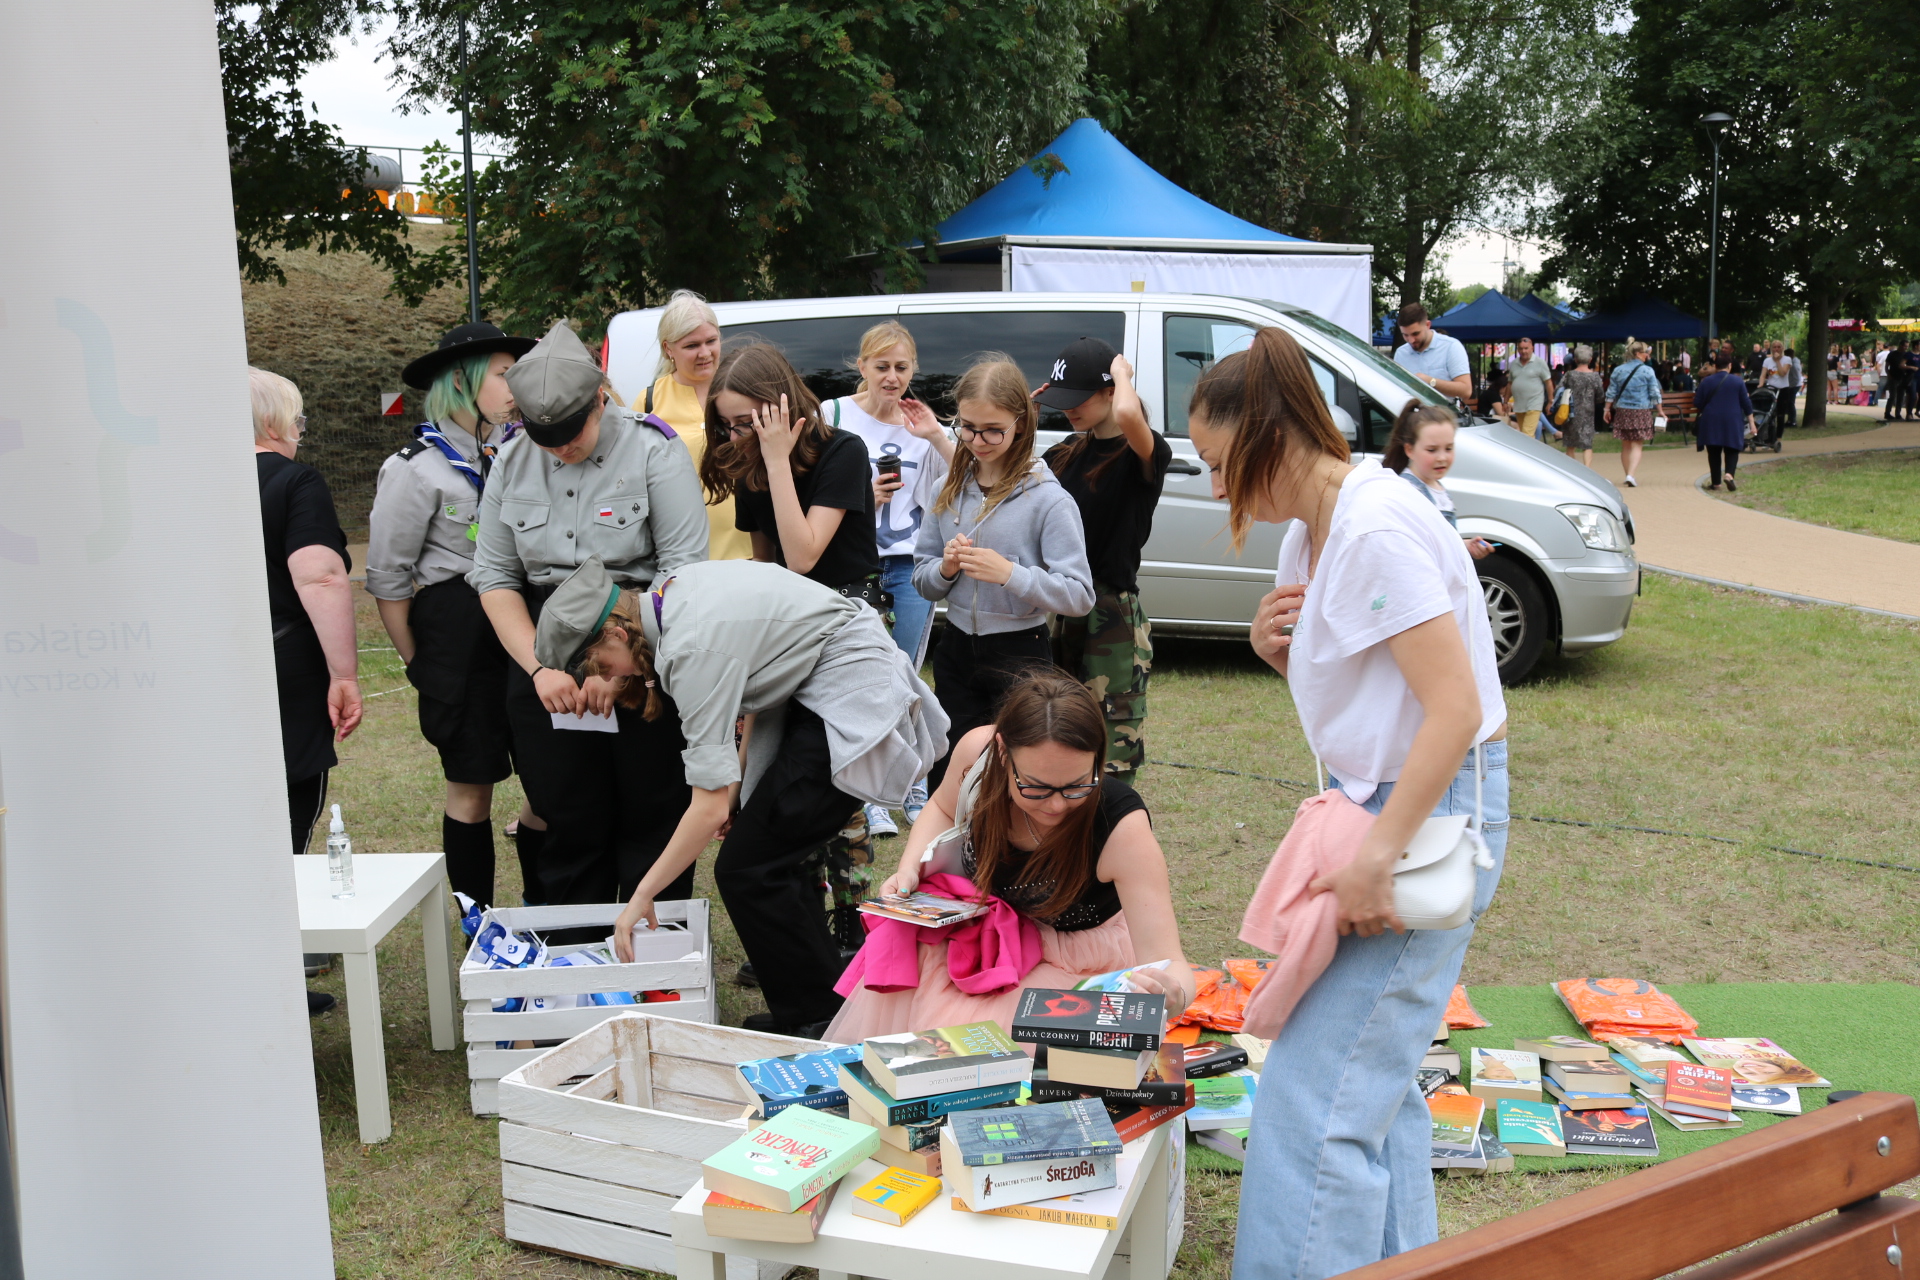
{"x": 1406, "y": 431}
{"x": 640, "y": 691}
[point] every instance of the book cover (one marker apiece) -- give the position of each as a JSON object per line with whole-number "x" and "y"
{"x": 926, "y": 909}
{"x": 1591, "y": 1077}
{"x": 1650, "y": 1052}
{"x": 1505, "y": 1073}
{"x": 1456, "y": 1122}
{"x": 1563, "y": 1049}
{"x": 1130, "y": 1121}
{"x": 1781, "y": 1099}
{"x": 1499, "y": 1159}
{"x": 863, "y": 1091}
{"x": 1102, "y": 1068}
{"x": 1471, "y": 1160}
{"x": 1098, "y": 1209}
{"x": 799, "y": 1079}
{"x": 1645, "y": 1075}
{"x": 1584, "y": 1100}
{"x": 893, "y": 1196}
{"x": 1256, "y": 1050}
{"x": 1164, "y": 1082}
{"x": 790, "y": 1159}
{"x": 1755, "y": 1060}
{"x": 1694, "y": 1089}
{"x": 1213, "y": 1058}
{"x": 1122, "y": 1020}
{"x": 1040, "y": 1131}
{"x": 1223, "y": 1102}
{"x": 915, "y": 1064}
{"x": 1529, "y": 1128}
{"x": 990, "y": 1186}
{"x": 1689, "y": 1124}
{"x": 1430, "y": 1079}
{"x": 1626, "y": 1131}
{"x": 723, "y": 1215}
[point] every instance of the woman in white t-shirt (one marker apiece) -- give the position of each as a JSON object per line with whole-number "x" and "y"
{"x": 903, "y": 437}
{"x": 1380, "y": 628}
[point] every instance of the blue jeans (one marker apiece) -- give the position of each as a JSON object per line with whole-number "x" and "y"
{"x": 1337, "y": 1173}
{"x": 912, "y": 612}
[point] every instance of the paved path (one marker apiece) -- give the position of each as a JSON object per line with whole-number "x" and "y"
{"x": 1679, "y": 526}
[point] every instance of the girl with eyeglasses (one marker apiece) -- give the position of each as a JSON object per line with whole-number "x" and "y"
{"x": 1050, "y": 834}
{"x": 1002, "y": 545}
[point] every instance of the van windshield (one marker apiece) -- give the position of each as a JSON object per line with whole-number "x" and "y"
{"x": 1327, "y": 328}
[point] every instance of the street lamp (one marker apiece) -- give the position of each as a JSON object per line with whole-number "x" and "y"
{"x": 1715, "y": 122}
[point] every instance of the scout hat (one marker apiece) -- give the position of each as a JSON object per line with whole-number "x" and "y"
{"x": 574, "y": 614}
{"x": 1086, "y": 366}
{"x": 458, "y": 344}
{"x": 556, "y": 385}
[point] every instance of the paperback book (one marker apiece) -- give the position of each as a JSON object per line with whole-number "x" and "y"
{"x": 922, "y": 1160}
{"x": 1223, "y": 1102}
{"x": 930, "y": 910}
{"x": 723, "y": 1215}
{"x": 1529, "y": 1128}
{"x": 917, "y": 1064}
{"x": 1685, "y": 1123}
{"x": 1098, "y": 1209}
{"x": 1627, "y": 1131}
{"x": 1042, "y": 1131}
{"x": 1256, "y": 1050}
{"x": 1118, "y": 1020}
{"x": 1456, "y": 1122}
{"x": 1499, "y": 1159}
{"x": 1430, "y": 1079}
{"x": 1694, "y": 1089}
{"x": 886, "y": 1110}
{"x": 992, "y": 1186}
{"x": 1505, "y": 1073}
{"x": 1563, "y": 1049}
{"x": 1605, "y": 1076}
{"x": 1580, "y": 1100}
{"x": 1130, "y": 1121}
{"x": 1755, "y": 1060}
{"x": 1231, "y": 1143}
{"x": 1101, "y": 1068}
{"x": 893, "y": 1196}
{"x": 1472, "y": 1160}
{"x": 1165, "y": 1081}
{"x": 1642, "y": 1075}
{"x": 799, "y": 1079}
{"x": 1649, "y": 1052}
{"x": 1212, "y": 1058}
{"x": 790, "y": 1159}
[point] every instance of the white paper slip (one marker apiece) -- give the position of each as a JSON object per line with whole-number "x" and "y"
{"x": 590, "y": 724}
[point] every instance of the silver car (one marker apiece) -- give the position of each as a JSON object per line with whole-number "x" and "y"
{"x": 1564, "y": 577}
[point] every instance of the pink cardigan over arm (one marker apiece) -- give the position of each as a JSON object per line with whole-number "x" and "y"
{"x": 986, "y": 954}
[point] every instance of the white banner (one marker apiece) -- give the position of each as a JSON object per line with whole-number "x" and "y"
{"x": 158, "y": 1057}
{"x": 1336, "y": 286}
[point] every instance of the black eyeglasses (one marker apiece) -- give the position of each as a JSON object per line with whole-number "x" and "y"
{"x": 992, "y": 435}
{"x": 1038, "y": 791}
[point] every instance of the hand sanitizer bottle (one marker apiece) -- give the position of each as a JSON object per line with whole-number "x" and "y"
{"x": 339, "y": 857}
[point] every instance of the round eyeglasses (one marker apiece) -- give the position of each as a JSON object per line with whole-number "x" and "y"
{"x": 1040, "y": 791}
{"x": 992, "y": 435}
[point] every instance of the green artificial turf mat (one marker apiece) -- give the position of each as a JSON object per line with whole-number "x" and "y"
{"x": 1858, "y": 1035}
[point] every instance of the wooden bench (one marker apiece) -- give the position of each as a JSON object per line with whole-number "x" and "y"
{"x": 1657, "y": 1221}
{"x": 1677, "y": 408}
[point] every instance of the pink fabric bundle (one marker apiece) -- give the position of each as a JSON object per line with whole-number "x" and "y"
{"x": 985, "y": 954}
{"x": 1284, "y": 918}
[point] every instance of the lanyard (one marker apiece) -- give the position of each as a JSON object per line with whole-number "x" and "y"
{"x": 658, "y": 593}
{"x": 477, "y": 476}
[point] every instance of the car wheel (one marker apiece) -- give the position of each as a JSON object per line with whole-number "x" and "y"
{"x": 1517, "y": 612}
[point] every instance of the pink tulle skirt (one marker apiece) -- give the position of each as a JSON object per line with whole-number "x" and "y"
{"x": 1065, "y": 958}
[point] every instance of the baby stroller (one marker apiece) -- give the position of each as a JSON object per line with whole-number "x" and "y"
{"x": 1770, "y": 407}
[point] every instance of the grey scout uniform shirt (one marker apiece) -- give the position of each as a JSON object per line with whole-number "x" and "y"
{"x": 635, "y": 503}
{"x": 422, "y": 509}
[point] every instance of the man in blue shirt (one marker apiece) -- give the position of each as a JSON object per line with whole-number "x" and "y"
{"x": 1434, "y": 358}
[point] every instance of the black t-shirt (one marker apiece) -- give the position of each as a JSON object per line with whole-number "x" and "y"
{"x": 841, "y": 478}
{"x": 1116, "y": 499}
{"x": 296, "y": 511}
{"x": 1099, "y": 902}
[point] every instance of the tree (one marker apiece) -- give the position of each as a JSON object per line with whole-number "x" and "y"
{"x": 744, "y": 148}
{"x": 289, "y": 169}
{"x": 1815, "y": 169}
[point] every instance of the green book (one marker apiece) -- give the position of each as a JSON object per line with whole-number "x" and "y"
{"x": 790, "y": 1159}
{"x": 1530, "y": 1128}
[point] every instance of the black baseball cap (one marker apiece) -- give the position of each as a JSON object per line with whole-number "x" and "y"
{"x": 1084, "y": 367}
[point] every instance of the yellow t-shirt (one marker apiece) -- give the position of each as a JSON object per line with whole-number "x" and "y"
{"x": 679, "y": 404}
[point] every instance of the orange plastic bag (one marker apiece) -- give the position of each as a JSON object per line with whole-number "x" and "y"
{"x": 1205, "y": 983}
{"x": 1625, "y": 1007}
{"x": 1460, "y": 1011}
{"x": 1248, "y": 972}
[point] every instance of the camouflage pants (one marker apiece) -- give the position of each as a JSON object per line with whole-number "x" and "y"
{"x": 1111, "y": 650}
{"x": 847, "y": 872}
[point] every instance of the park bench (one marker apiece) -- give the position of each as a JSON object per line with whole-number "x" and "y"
{"x": 1671, "y": 1216}
{"x": 1677, "y": 408}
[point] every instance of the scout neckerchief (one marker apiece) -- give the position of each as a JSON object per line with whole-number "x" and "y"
{"x": 476, "y": 476}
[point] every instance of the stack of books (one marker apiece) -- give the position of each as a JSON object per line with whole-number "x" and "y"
{"x": 1019, "y": 1155}
{"x": 1101, "y": 1038}
{"x": 775, "y": 1182}
{"x": 799, "y": 1080}
{"x": 910, "y": 1128}
{"x": 1505, "y": 1074}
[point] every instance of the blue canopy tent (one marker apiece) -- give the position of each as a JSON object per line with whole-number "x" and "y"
{"x": 1105, "y": 221}
{"x": 1494, "y": 317}
{"x": 1645, "y": 317}
{"x": 1547, "y": 311}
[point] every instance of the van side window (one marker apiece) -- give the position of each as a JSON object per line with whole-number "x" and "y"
{"x": 823, "y": 350}
{"x": 1194, "y": 343}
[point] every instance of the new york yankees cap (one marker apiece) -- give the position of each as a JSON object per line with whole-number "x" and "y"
{"x": 1084, "y": 367}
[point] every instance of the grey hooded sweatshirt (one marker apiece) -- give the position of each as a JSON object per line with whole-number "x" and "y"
{"x": 1038, "y": 528}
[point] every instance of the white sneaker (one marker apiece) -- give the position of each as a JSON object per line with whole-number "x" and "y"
{"x": 1632, "y": 483}
{"x": 880, "y": 822}
{"x": 916, "y": 801}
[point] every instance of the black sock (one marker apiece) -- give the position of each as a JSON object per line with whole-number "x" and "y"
{"x": 530, "y": 841}
{"x": 469, "y": 847}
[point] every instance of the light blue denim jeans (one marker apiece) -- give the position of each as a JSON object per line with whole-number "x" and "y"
{"x": 912, "y": 612}
{"x": 1337, "y": 1173}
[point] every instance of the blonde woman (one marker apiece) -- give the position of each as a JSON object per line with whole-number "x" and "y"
{"x": 1633, "y": 397}
{"x": 689, "y": 354}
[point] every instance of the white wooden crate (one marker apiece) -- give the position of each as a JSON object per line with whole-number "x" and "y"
{"x": 678, "y": 958}
{"x": 591, "y": 1167}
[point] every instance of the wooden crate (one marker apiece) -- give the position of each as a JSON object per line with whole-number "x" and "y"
{"x": 601, "y": 1135}
{"x": 677, "y": 959}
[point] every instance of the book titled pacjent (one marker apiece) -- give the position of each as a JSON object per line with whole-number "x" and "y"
{"x": 1126, "y": 1020}
{"x": 790, "y": 1159}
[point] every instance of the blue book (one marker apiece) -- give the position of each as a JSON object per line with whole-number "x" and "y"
{"x": 1640, "y": 1073}
{"x": 1038, "y": 1131}
{"x": 1223, "y": 1102}
{"x": 858, "y": 1086}
{"x": 799, "y": 1079}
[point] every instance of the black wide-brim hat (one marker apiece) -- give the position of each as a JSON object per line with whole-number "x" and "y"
{"x": 457, "y": 344}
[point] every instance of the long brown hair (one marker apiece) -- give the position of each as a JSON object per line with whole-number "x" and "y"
{"x": 1061, "y": 456}
{"x": 1266, "y": 397}
{"x": 996, "y": 379}
{"x": 760, "y": 373}
{"x": 643, "y": 690}
{"x": 1414, "y": 414}
{"x": 1043, "y": 706}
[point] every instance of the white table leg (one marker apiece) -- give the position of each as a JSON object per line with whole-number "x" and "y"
{"x": 369, "y": 1046}
{"x": 698, "y": 1264}
{"x": 433, "y": 933}
{"x": 1149, "y": 1222}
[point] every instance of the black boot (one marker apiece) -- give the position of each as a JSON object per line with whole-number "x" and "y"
{"x": 469, "y": 847}
{"x": 530, "y": 841}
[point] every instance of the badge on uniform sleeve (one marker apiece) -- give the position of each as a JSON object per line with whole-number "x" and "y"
{"x": 606, "y": 513}
{"x": 453, "y": 512}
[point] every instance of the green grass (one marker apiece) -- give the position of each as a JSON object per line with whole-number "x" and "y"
{"x": 1875, "y": 493}
{"x": 1720, "y": 712}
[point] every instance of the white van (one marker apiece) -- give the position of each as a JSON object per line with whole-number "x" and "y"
{"x": 1564, "y": 577}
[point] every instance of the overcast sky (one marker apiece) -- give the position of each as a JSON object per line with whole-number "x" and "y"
{"x": 351, "y": 92}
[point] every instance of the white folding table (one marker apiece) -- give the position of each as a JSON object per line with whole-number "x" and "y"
{"x": 943, "y": 1243}
{"x": 387, "y": 887}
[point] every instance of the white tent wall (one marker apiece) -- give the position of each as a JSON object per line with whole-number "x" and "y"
{"x": 1336, "y": 286}
{"x": 159, "y": 1063}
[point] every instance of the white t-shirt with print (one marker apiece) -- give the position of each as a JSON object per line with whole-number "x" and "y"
{"x": 1390, "y": 563}
{"x": 921, "y": 470}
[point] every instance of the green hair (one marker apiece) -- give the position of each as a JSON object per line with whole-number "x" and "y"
{"x": 456, "y": 388}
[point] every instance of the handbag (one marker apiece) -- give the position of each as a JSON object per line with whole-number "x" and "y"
{"x": 1434, "y": 879}
{"x": 1562, "y": 406}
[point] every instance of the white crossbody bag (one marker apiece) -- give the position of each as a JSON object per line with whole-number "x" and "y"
{"x": 1434, "y": 879}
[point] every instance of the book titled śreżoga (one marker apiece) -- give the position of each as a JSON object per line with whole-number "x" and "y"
{"x": 1126, "y": 1020}
{"x": 913, "y": 1064}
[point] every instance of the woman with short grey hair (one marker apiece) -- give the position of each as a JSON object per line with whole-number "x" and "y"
{"x": 1584, "y": 391}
